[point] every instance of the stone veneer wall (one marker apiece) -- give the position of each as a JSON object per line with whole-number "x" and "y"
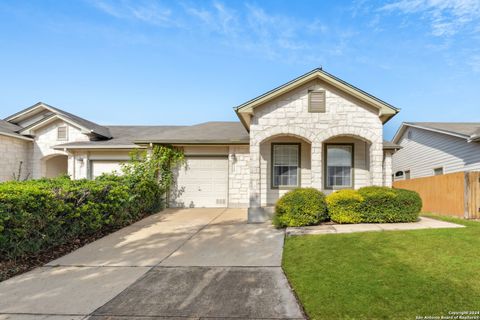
{"x": 238, "y": 176}
{"x": 12, "y": 151}
{"x": 288, "y": 116}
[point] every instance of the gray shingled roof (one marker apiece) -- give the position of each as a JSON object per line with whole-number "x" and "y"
{"x": 220, "y": 132}
{"x": 10, "y": 129}
{"x": 95, "y": 128}
{"x": 208, "y": 133}
{"x": 466, "y": 129}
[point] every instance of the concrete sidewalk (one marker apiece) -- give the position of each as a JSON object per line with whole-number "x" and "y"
{"x": 189, "y": 263}
{"x": 423, "y": 223}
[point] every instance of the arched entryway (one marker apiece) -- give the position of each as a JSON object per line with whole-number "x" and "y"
{"x": 285, "y": 164}
{"x": 55, "y": 165}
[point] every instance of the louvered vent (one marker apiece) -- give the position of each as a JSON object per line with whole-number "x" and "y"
{"x": 316, "y": 101}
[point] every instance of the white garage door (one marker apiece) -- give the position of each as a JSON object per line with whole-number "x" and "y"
{"x": 97, "y": 167}
{"x": 202, "y": 182}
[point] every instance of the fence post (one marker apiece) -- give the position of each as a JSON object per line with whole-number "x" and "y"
{"x": 466, "y": 197}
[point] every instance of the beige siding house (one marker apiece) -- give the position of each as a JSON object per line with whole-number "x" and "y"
{"x": 314, "y": 131}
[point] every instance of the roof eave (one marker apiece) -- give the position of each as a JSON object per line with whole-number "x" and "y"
{"x": 192, "y": 142}
{"x": 401, "y": 130}
{"x": 61, "y": 147}
{"x": 15, "y": 135}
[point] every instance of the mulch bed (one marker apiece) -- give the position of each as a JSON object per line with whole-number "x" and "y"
{"x": 11, "y": 268}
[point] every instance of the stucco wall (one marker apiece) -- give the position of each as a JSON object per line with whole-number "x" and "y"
{"x": 288, "y": 116}
{"x": 46, "y": 139}
{"x": 12, "y": 151}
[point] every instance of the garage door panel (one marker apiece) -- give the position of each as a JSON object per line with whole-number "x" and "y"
{"x": 203, "y": 182}
{"x": 98, "y": 167}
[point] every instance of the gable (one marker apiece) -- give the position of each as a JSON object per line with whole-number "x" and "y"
{"x": 48, "y": 133}
{"x": 385, "y": 111}
{"x": 42, "y": 112}
{"x": 293, "y": 107}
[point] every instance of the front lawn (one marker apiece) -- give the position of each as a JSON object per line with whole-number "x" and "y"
{"x": 386, "y": 275}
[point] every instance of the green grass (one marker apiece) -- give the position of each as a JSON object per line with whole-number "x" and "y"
{"x": 386, "y": 275}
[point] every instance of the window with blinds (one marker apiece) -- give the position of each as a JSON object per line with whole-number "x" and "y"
{"x": 285, "y": 165}
{"x": 316, "y": 101}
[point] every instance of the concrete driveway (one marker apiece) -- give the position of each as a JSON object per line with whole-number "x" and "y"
{"x": 188, "y": 263}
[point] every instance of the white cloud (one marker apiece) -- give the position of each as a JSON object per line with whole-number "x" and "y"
{"x": 248, "y": 27}
{"x": 447, "y": 17}
{"x": 148, "y": 12}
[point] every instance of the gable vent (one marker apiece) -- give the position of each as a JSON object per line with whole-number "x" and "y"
{"x": 316, "y": 101}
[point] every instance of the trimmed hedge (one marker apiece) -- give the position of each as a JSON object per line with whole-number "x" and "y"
{"x": 300, "y": 207}
{"x": 39, "y": 214}
{"x": 374, "y": 205}
{"x": 344, "y": 206}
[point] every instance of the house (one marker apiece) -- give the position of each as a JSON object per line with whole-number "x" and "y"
{"x": 435, "y": 148}
{"x": 314, "y": 131}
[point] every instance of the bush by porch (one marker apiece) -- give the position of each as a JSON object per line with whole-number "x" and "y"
{"x": 308, "y": 206}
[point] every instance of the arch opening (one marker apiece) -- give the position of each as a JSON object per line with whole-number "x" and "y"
{"x": 56, "y": 165}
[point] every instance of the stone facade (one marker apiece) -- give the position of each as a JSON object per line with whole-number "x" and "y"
{"x": 238, "y": 176}
{"x": 288, "y": 116}
{"x": 12, "y": 152}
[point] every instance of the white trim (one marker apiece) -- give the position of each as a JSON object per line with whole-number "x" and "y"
{"x": 30, "y": 109}
{"x": 52, "y": 118}
{"x": 127, "y": 147}
{"x": 401, "y": 130}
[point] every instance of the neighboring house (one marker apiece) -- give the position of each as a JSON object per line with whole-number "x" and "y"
{"x": 433, "y": 148}
{"x": 314, "y": 131}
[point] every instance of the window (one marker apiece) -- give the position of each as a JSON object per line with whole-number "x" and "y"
{"x": 407, "y": 175}
{"x": 316, "y": 101}
{"x": 399, "y": 174}
{"x": 62, "y": 133}
{"x": 437, "y": 171}
{"x": 285, "y": 165}
{"x": 339, "y": 166}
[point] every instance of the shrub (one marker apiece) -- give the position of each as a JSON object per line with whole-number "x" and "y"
{"x": 344, "y": 206}
{"x": 384, "y": 204}
{"x": 374, "y": 205}
{"x": 300, "y": 207}
{"x": 39, "y": 214}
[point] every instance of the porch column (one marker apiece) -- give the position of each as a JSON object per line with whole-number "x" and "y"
{"x": 316, "y": 165}
{"x": 387, "y": 169}
{"x": 376, "y": 163}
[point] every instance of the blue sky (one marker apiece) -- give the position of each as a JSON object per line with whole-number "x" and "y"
{"x": 185, "y": 62}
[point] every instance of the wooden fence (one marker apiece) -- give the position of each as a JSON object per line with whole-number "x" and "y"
{"x": 454, "y": 194}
